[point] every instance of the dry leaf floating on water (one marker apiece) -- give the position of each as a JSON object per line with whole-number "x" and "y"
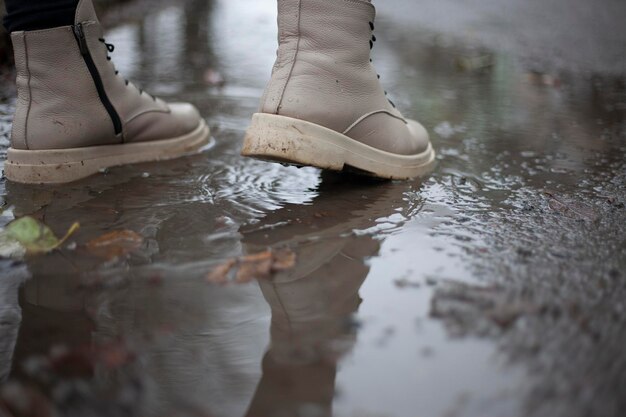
{"x": 257, "y": 266}
{"x": 115, "y": 244}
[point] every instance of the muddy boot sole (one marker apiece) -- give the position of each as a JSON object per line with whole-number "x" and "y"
{"x": 61, "y": 166}
{"x": 296, "y": 142}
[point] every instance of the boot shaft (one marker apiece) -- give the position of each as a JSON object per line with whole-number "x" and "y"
{"x": 336, "y": 28}
{"x": 56, "y": 94}
{"x": 323, "y": 72}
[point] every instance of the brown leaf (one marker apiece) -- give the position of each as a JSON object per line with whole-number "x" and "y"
{"x": 115, "y": 244}
{"x": 115, "y": 355}
{"x": 248, "y": 268}
{"x": 570, "y": 207}
{"x": 284, "y": 260}
{"x": 255, "y": 267}
{"x": 220, "y": 274}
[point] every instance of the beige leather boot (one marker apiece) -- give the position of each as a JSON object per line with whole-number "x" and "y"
{"x": 324, "y": 105}
{"x": 76, "y": 115}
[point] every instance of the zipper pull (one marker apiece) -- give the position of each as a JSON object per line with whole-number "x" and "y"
{"x": 80, "y": 37}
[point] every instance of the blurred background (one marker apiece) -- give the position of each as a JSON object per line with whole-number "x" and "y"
{"x": 575, "y": 34}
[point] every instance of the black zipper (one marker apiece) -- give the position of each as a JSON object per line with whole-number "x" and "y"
{"x": 91, "y": 65}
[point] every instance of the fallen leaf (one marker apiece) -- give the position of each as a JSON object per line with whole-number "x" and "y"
{"x": 248, "y": 268}
{"x": 284, "y": 260}
{"x": 28, "y": 236}
{"x": 115, "y": 355}
{"x": 115, "y": 244}
{"x": 220, "y": 274}
{"x": 464, "y": 306}
{"x": 570, "y": 208}
{"x": 255, "y": 266}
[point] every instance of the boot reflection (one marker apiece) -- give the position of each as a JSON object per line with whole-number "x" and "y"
{"x": 53, "y": 315}
{"x": 199, "y": 346}
{"x": 311, "y": 329}
{"x": 10, "y": 314}
{"x": 313, "y": 305}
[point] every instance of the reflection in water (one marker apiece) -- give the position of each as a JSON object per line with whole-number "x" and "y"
{"x": 201, "y": 347}
{"x": 313, "y": 305}
{"x": 10, "y": 316}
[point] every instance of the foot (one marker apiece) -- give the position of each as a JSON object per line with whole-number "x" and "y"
{"x": 324, "y": 105}
{"x": 77, "y": 116}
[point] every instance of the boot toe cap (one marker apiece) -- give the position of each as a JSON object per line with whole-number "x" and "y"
{"x": 187, "y": 116}
{"x": 182, "y": 118}
{"x": 419, "y": 135}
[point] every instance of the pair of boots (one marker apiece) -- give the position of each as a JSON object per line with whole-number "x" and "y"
{"x": 323, "y": 106}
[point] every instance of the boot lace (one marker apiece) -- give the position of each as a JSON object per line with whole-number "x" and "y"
{"x": 110, "y": 49}
{"x": 372, "y": 41}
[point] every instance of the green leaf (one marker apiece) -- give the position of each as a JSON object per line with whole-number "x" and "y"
{"x": 34, "y": 236}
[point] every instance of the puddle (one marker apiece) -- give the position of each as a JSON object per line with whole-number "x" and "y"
{"x": 495, "y": 287}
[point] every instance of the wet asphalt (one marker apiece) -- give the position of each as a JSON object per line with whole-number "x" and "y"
{"x": 494, "y": 288}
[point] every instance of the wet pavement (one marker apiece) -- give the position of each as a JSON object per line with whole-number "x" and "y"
{"x": 494, "y": 288}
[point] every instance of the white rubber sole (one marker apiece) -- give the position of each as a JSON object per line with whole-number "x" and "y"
{"x": 297, "y": 142}
{"x": 61, "y": 166}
